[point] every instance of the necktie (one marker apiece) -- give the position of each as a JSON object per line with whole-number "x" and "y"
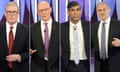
{"x": 10, "y": 45}
{"x": 46, "y": 38}
{"x": 103, "y": 42}
{"x": 76, "y": 50}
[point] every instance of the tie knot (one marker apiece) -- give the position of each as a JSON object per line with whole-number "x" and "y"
{"x": 74, "y": 27}
{"x": 104, "y": 23}
{"x": 45, "y": 23}
{"x": 11, "y": 27}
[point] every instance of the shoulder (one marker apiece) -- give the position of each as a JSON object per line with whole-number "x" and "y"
{"x": 34, "y": 25}
{"x": 23, "y": 27}
{"x": 64, "y": 24}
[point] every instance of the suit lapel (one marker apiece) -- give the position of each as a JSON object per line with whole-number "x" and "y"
{"x": 111, "y": 33}
{"x": 85, "y": 36}
{"x": 52, "y": 33}
{"x": 67, "y": 32}
{"x": 96, "y": 27}
{"x": 38, "y": 30}
{"x": 17, "y": 37}
{"x": 5, "y": 38}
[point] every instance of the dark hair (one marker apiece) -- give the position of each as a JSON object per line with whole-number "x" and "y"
{"x": 72, "y": 4}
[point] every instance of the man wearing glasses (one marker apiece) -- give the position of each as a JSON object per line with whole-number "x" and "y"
{"x": 45, "y": 41}
{"x": 14, "y": 50}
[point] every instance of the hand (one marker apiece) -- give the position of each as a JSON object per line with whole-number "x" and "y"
{"x": 33, "y": 51}
{"x": 116, "y": 42}
{"x": 13, "y": 57}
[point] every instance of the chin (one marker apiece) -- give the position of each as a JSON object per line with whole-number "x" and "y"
{"x": 45, "y": 19}
{"x": 77, "y": 19}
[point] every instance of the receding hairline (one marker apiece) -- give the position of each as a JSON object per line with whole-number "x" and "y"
{"x": 12, "y": 4}
{"x": 43, "y": 2}
{"x": 103, "y": 4}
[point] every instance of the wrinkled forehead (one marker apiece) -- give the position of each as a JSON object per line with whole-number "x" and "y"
{"x": 12, "y": 8}
{"x": 102, "y": 6}
{"x": 43, "y": 5}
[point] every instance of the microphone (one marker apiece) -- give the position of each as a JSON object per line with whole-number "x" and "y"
{"x": 44, "y": 30}
{"x": 74, "y": 28}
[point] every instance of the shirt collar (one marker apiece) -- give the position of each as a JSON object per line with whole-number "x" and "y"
{"x": 107, "y": 20}
{"x": 13, "y": 25}
{"x": 49, "y": 21}
{"x": 72, "y": 24}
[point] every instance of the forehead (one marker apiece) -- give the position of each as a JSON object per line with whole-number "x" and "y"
{"x": 102, "y": 5}
{"x": 43, "y": 5}
{"x": 75, "y": 7}
{"x": 11, "y": 7}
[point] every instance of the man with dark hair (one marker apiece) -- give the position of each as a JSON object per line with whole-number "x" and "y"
{"x": 73, "y": 3}
{"x": 75, "y": 41}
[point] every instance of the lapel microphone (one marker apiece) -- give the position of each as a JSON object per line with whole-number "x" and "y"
{"x": 44, "y": 30}
{"x": 74, "y": 28}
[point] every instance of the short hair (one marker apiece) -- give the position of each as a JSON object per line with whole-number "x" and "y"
{"x": 11, "y": 3}
{"x": 72, "y": 4}
{"x": 103, "y": 3}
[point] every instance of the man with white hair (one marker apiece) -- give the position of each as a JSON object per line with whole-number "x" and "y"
{"x": 45, "y": 41}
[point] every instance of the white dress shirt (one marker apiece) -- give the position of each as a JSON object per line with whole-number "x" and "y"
{"x": 49, "y": 28}
{"x": 107, "y": 25}
{"x": 43, "y": 30}
{"x": 14, "y": 33}
{"x": 81, "y": 46}
{"x": 8, "y": 30}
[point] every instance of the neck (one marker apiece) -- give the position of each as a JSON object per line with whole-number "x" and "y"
{"x": 11, "y": 23}
{"x": 47, "y": 19}
{"x": 74, "y": 22}
{"x": 105, "y": 18}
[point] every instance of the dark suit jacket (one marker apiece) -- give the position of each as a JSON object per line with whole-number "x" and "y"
{"x": 20, "y": 46}
{"x": 65, "y": 43}
{"x": 113, "y": 52}
{"x": 37, "y": 60}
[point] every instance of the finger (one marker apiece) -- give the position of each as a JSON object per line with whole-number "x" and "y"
{"x": 34, "y": 51}
{"x": 30, "y": 49}
{"x": 115, "y": 39}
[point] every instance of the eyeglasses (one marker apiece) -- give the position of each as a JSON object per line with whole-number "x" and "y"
{"x": 11, "y": 12}
{"x": 46, "y": 9}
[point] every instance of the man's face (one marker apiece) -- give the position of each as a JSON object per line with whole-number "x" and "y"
{"x": 11, "y": 14}
{"x": 74, "y": 13}
{"x": 44, "y": 11}
{"x": 103, "y": 11}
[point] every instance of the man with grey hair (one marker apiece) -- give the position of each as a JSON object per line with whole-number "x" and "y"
{"x": 106, "y": 41}
{"x": 14, "y": 51}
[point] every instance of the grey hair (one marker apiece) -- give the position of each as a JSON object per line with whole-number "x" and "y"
{"x": 12, "y": 4}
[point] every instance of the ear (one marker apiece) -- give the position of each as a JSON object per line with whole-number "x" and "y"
{"x": 68, "y": 13}
{"x": 5, "y": 14}
{"x": 80, "y": 11}
{"x": 51, "y": 9}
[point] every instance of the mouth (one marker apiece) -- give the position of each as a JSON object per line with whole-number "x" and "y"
{"x": 11, "y": 18}
{"x": 44, "y": 16}
{"x": 75, "y": 17}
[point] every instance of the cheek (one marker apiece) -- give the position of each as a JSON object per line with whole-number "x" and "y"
{"x": 100, "y": 14}
{"x": 39, "y": 14}
{"x": 72, "y": 14}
